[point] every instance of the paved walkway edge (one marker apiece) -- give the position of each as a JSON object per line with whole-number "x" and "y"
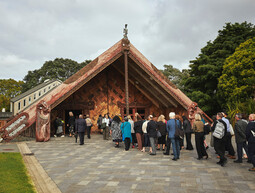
{"x": 43, "y": 183}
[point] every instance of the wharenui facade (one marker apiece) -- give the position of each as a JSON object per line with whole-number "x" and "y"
{"x": 119, "y": 81}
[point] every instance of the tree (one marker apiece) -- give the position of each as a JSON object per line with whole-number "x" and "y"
{"x": 237, "y": 83}
{"x": 58, "y": 69}
{"x": 175, "y": 75}
{"x": 207, "y": 67}
{"x": 9, "y": 88}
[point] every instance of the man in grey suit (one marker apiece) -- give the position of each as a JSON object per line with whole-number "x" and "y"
{"x": 80, "y": 126}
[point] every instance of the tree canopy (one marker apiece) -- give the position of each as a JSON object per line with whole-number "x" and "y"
{"x": 237, "y": 82}
{"x": 175, "y": 75}
{"x": 205, "y": 70}
{"x": 57, "y": 69}
{"x": 9, "y": 88}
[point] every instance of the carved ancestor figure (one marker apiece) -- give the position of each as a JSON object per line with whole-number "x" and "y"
{"x": 192, "y": 111}
{"x": 42, "y": 122}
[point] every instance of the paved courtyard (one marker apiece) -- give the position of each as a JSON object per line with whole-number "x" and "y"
{"x": 98, "y": 166}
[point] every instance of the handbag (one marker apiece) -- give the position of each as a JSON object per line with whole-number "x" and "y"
{"x": 158, "y": 134}
{"x": 179, "y": 133}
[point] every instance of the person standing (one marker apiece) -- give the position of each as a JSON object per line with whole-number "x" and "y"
{"x": 187, "y": 131}
{"x": 198, "y": 128}
{"x": 161, "y": 125}
{"x": 219, "y": 143}
{"x": 115, "y": 131}
{"x": 71, "y": 123}
{"x": 170, "y": 127}
{"x": 99, "y": 123}
{"x": 152, "y": 132}
{"x": 250, "y": 136}
{"x": 240, "y": 135}
{"x": 132, "y": 131}
{"x": 229, "y": 146}
{"x": 80, "y": 126}
{"x": 89, "y": 125}
{"x": 138, "y": 131}
{"x": 145, "y": 135}
{"x": 126, "y": 133}
{"x": 106, "y": 131}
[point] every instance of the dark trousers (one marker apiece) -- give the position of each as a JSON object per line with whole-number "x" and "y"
{"x": 181, "y": 143}
{"x": 188, "y": 141}
{"x": 81, "y": 136}
{"x": 127, "y": 143}
{"x": 229, "y": 145}
{"x": 199, "y": 139}
{"x": 239, "y": 148}
{"x": 219, "y": 146}
{"x": 168, "y": 145}
{"x": 133, "y": 138}
{"x": 88, "y": 131}
{"x": 251, "y": 153}
{"x": 146, "y": 140}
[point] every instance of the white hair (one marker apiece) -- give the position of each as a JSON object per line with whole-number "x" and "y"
{"x": 171, "y": 115}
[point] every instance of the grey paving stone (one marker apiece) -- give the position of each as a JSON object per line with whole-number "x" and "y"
{"x": 99, "y": 167}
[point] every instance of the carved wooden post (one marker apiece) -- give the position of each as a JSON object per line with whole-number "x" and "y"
{"x": 126, "y": 81}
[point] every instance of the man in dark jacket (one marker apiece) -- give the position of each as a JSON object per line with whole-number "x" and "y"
{"x": 240, "y": 130}
{"x": 219, "y": 144}
{"x": 80, "y": 126}
{"x": 152, "y": 132}
{"x": 250, "y": 136}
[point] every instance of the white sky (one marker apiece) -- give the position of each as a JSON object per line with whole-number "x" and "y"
{"x": 165, "y": 31}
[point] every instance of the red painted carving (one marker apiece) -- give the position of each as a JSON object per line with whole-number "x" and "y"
{"x": 42, "y": 132}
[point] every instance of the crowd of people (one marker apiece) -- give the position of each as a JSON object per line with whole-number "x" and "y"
{"x": 157, "y": 133}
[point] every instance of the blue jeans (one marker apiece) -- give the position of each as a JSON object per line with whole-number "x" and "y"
{"x": 176, "y": 147}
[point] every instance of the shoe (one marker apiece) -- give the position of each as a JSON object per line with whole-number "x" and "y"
{"x": 174, "y": 159}
{"x": 82, "y": 144}
{"x": 232, "y": 157}
{"x": 152, "y": 154}
{"x": 207, "y": 147}
{"x": 218, "y": 163}
{"x": 199, "y": 158}
{"x": 218, "y": 157}
{"x": 62, "y": 136}
{"x": 133, "y": 146}
{"x": 249, "y": 161}
{"x": 55, "y": 136}
{"x": 223, "y": 163}
{"x": 238, "y": 161}
{"x": 158, "y": 148}
{"x": 252, "y": 169}
{"x": 172, "y": 153}
{"x": 206, "y": 157}
{"x": 166, "y": 153}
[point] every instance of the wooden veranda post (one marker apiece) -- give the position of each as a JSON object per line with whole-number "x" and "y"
{"x": 126, "y": 49}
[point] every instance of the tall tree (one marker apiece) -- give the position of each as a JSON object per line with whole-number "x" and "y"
{"x": 9, "y": 88}
{"x": 205, "y": 70}
{"x": 175, "y": 75}
{"x": 57, "y": 69}
{"x": 237, "y": 83}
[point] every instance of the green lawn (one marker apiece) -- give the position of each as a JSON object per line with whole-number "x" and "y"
{"x": 13, "y": 174}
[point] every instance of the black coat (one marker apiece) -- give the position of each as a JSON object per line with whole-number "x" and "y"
{"x": 187, "y": 126}
{"x": 71, "y": 121}
{"x": 249, "y": 136}
{"x": 138, "y": 126}
{"x": 161, "y": 127}
{"x": 80, "y": 125}
{"x": 240, "y": 128}
{"x": 152, "y": 129}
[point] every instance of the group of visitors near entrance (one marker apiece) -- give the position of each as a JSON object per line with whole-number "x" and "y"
{"x": 157, "y": 133}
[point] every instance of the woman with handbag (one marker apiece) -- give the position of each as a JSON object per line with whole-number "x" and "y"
{"x": 115, "y": 131}
{"x": 161, "y": 126}
{"x": 198, "y": 128}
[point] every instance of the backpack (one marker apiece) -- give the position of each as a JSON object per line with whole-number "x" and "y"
{"x": 219, "y": 130}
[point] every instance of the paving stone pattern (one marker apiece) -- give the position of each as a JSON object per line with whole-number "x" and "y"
{"x": 98, "y": 166}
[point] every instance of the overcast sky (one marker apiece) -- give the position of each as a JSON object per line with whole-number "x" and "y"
{"x": 165, "y": 31}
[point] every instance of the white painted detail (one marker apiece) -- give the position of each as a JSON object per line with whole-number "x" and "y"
{"x": 17, "y": 130}
{"x": 10, "y": 127}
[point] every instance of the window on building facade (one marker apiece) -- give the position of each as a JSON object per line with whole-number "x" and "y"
{"x": 35, "y": 96}
{"x": 29, "y": 100}
{"x": 19, "y": 106}
{"x": 44, "y": 90}
{"x": 39, "y": 93}
{"x": 49, "y": 87}
{"x": 24, "y": 102}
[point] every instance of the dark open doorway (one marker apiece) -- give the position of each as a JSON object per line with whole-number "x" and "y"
{"x": 76, "y": 114}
